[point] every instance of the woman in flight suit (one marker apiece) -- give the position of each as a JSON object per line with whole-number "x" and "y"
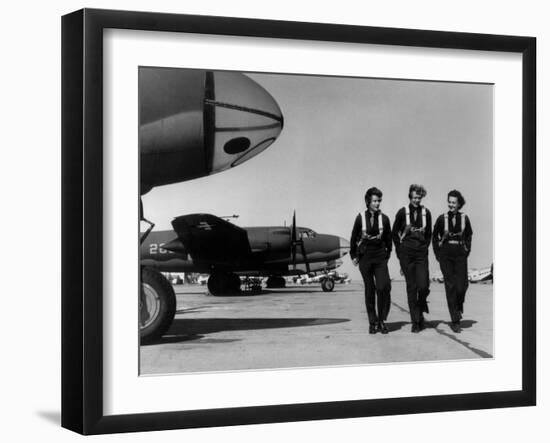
{"x": 412, "y": 234}
{"x": 452, "y": 243}
{"x": 371, "y": 245}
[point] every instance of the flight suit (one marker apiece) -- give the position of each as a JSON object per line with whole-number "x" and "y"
{"x": 412, "y": 234}
{"x": 372, "y": 245}
{"x": 452, "y": 241}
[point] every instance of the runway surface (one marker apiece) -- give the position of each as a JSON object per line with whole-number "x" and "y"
{"x": 302, "y": 326}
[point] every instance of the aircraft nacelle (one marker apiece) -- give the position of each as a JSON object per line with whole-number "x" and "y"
{"x": 194, "y": 123}
{"x": 272, "y": 241}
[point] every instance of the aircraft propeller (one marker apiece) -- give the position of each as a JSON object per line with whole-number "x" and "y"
{"x": 294, "y": 242}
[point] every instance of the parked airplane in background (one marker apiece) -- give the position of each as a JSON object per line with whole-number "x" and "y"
{"x": 205, "y": 243}
{"x": 325, "y": 276}
{"x": 193, "y": 123}
{"x": 481, "y": 275}
{"x": 203, "y": 279}
{"x": 438, "y": 277}
{"x": 474, "y": 275}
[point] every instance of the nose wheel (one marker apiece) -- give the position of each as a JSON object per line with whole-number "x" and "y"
{"x": 327, "y": 284}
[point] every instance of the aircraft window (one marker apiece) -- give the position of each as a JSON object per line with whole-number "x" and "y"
{"x": 236, "y": 145}
{"x": 253, "y": 151}
{"x": 307, "y": 234}
{"x": 247, "y": 119}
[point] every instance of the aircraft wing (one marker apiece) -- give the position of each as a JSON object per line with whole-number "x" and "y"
{"x": 211, "y": 239}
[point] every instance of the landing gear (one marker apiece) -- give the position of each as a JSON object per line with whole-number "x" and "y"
{"x": 253, "y": 284}
{"x": 327, "y": 284}
{"x": 234, "y": 283}
{"x": 223, "y": 283}
{"x": 157, "y": 305}
{"x": 275, "y": 281}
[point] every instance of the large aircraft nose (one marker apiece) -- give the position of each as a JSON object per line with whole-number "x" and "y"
{"x": 344, "y": 246}
{"x": 195, "y": 123}
{"x": 246, "y": 119}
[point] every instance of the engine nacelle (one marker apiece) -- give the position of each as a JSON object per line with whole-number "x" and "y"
{"x": 194, "y": 123}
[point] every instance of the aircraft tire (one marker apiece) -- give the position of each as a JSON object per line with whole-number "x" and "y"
{"x": 158, "y": 302}
{"x": 327, "y": 284}
{"x": 216, "y": 284}
{"x": 224, "y": 284}
{"x": 275, "y": 281}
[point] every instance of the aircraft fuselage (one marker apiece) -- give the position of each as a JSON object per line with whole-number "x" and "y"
{"x": 269, "y": 253}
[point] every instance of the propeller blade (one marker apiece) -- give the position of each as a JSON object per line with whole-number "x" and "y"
{"x": 294, "y": 227}
{"x": 293, "y": 240}
{"x": 305, "y": 256}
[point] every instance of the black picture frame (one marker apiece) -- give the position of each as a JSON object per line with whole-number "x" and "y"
{"x": 82, "y": 218}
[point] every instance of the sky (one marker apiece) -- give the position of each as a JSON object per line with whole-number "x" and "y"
{"x": 343, "y": 135}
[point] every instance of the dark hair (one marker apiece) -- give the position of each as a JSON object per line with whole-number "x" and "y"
{"x": 370, "y": 192}
{"x": 458, "y": 195}
{"x": 419, "y": 189}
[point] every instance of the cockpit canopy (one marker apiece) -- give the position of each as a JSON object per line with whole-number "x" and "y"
{"x": 306, "y": 233}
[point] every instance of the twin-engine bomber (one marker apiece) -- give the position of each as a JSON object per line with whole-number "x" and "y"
{"x": 208, "y": 244}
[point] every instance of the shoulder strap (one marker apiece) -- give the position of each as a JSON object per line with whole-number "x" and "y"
{"x": 462, "y": 222}
{"x": 363, "y": 223}
{"x": 380, "y": 224}
{"x": 423, "y": 217}
{"x": 446, "y": 222}
{"x": 407, "y": 215}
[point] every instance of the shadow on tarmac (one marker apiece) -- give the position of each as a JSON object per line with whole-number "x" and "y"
{"x": 464, "y": 324}
{"x": 195, "y": 309}
{"x": 195, "y": 329}
{"x": 433, "y": 324}
{"x": 455, "y": 337}
{"x": 283, "y": 291}
{"x": 396, "y": 325}
{"x": 182, "y": 338}
{"x": 288, "y": 290}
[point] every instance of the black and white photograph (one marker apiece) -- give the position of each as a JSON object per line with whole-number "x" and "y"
{"x": 275, "y": 221}
{"x": 310, "y": 221}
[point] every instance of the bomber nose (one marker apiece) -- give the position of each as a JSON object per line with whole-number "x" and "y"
{"x": 344, "y": 246}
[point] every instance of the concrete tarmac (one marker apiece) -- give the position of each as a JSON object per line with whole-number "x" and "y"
{"x": 302, "y": 326}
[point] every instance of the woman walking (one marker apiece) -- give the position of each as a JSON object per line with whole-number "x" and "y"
{"x": 452, "y": 243}
{"x": 371, "y": 245}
